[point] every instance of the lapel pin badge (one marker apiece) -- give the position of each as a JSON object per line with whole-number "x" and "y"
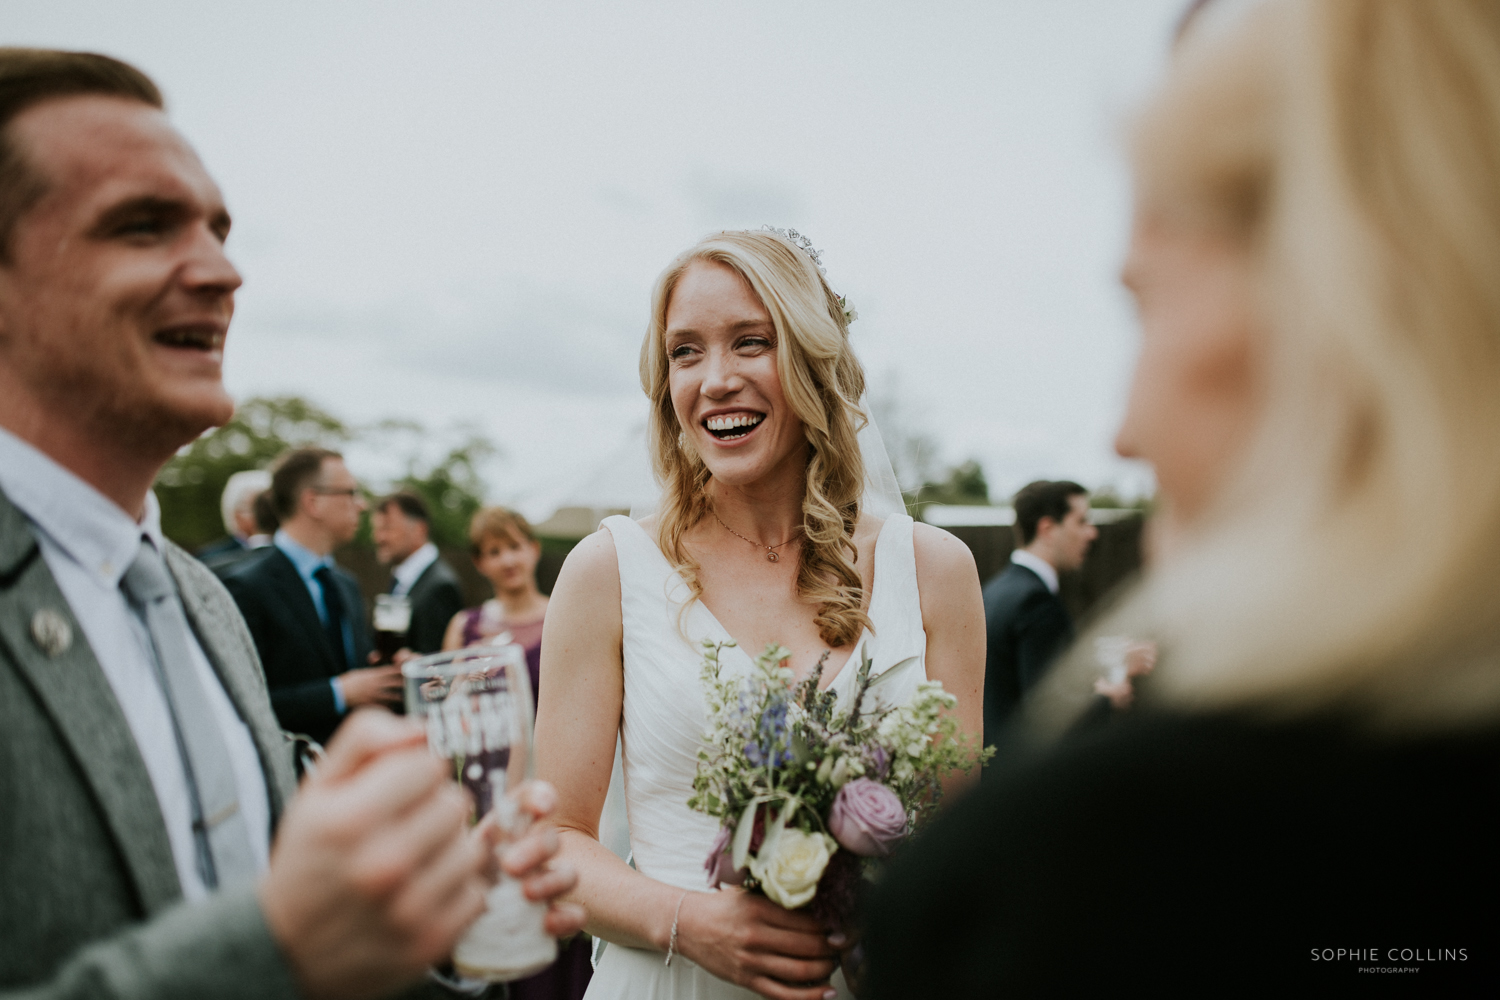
{"x": 51, "y": 632}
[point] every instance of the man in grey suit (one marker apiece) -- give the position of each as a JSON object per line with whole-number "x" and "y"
{"x": 151, "y": 844}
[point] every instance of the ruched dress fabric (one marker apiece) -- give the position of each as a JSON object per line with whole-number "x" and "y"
{"x": 663, "y": 720}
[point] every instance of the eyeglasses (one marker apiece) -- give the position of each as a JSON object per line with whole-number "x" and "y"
{"x": 351, "y": 492}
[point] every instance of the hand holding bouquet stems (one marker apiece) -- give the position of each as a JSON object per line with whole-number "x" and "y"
{"x": 811, "y": 791}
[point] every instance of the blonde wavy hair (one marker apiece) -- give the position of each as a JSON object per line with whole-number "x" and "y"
{"x": 822, "y": 381}
{"x": 1351, "y": 562}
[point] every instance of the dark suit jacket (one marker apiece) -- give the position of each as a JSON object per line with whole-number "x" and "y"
{"x": 1205, "y": 855}
{"x": 435, "y": 598}
{"x": 232, "y": 560}
{"x": 1026, "y": 627}
{"x": 294, "y": 649}
{"x": 88, "y": 888}
{"x": 224, "y": 546}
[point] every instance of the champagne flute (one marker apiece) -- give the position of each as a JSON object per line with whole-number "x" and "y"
{"x": 477, "y": 708}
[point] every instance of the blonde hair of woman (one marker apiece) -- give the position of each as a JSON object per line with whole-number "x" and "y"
{"x": 1313, "y": 761}
{"x": 1339, "y": 545}
{"x": 823, "y": 382}
{"x": 760, "y": 536}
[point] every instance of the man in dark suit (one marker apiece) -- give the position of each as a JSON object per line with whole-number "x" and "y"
{"x": 305, "y": 613}
{"x": 143, "y": 776}
{"x": 1026, "y": 624}
{"x": 402, "y": 528}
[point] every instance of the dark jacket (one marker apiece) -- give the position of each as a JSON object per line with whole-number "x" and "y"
{"x": 294, "y": 649}
{"x": 232, "y": 561}
{"x": 224, "y": 546}
{"x": 1204, "y": 856}
{"x": 1026, "y": 628}
{"x": 435, "y": 598}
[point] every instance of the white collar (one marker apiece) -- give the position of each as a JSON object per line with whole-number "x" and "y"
{"x": 1037, "y": 565}
{"x": 85, "y": 524}
{"x": 412, "y": 567}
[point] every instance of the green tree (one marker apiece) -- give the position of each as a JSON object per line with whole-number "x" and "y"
{"x": 1106, "y": 498}
{"x": 965, "y": 485}
{"x": 190, "y": 484}
{"x": 452, "y": 488}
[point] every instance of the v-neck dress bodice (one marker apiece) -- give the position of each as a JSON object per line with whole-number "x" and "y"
{"x": 662, "y": 723}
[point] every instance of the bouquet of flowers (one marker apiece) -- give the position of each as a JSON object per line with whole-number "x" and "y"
{"x": 810, "y": 792}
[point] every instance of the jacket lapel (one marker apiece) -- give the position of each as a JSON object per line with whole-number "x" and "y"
{"x": 232, "y": 654}
{"x": 76, "y": 696}
{"x": 291, "y": 591}
{"x": 427, "y": 578}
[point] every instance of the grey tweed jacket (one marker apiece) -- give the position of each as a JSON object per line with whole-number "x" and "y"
{"x": 90, "y": 904}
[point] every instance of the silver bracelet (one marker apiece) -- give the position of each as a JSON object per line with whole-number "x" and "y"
{"x": 672, "y": 941}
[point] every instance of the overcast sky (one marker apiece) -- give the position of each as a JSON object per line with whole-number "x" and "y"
{"x": 454, "y": 211}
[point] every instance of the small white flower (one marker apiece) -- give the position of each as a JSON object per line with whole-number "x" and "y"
{"x": 850, "y": 313}
{"x": 841, "y": 772}
{"x": 825, "y": 769}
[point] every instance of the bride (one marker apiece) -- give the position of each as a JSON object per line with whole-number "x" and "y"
{"x": 761, "y": 535}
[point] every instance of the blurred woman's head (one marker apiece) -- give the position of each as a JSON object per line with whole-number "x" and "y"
{"x": 504, "y": 548}
{"x": 749, "y": 370}
{"x": 1316, "y": 241}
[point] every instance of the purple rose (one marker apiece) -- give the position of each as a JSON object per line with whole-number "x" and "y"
{"x": 867, "y": 818}
{"x": 720, "y": 863}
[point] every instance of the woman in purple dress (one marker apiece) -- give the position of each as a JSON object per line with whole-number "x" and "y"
{"x": 506, "y": 551}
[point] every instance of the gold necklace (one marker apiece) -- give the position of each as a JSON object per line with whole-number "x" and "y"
{"x": 770, "y": 549}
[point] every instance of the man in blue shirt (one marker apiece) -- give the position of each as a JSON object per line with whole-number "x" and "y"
{"x": 305, "y": 613}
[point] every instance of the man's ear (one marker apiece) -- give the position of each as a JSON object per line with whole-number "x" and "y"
{"x": 303, "y": 499}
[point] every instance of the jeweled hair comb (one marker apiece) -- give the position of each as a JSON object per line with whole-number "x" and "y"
{"x": 804, "y": 244}
{"x": 801, "y": 242}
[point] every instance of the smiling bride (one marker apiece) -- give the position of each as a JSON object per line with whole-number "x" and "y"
{"x": 763, "y": 533}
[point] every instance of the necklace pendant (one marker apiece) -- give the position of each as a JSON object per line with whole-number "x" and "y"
{"x": 772, "y": 556}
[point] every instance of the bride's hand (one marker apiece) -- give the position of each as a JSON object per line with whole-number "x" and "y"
{"x": 749, "y": 940}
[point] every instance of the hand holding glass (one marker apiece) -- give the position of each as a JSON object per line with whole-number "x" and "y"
{"x": 476, "y": 706}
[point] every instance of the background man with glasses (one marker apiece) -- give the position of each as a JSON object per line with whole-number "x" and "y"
{"x": 305, "y": 613}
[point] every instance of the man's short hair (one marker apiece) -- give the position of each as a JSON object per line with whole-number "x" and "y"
{"x": 266, "y": 521}
{"x": 409, "y": 503}
{"x": 31, "y": 76}
{"x": 291, "y": 473}
{"x": 1040, "y": 499}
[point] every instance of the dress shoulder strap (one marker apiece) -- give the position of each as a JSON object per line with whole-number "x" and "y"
{"x": 895, "y": 604}
{"x": 646, "y": 578}
{"x": 633, "y": 546}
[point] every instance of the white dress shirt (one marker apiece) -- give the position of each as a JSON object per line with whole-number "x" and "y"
{"x": 412, "y": 568}
{"x": 1037, "y": 565}
{"x": 88, "y": 544}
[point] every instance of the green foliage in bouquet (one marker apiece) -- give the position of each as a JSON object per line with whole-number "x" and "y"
{"x": 779, "y": 757}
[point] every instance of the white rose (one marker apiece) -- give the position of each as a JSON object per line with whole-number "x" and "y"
{"x": 789, "y": 871}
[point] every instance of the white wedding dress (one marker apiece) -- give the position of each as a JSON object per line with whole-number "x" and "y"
{"x": 663, "y": 720}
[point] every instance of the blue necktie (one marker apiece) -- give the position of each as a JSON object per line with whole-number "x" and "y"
{"x": 333, "y": 623}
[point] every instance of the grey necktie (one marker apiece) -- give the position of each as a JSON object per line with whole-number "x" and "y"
{"x": 224, "y": 854}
